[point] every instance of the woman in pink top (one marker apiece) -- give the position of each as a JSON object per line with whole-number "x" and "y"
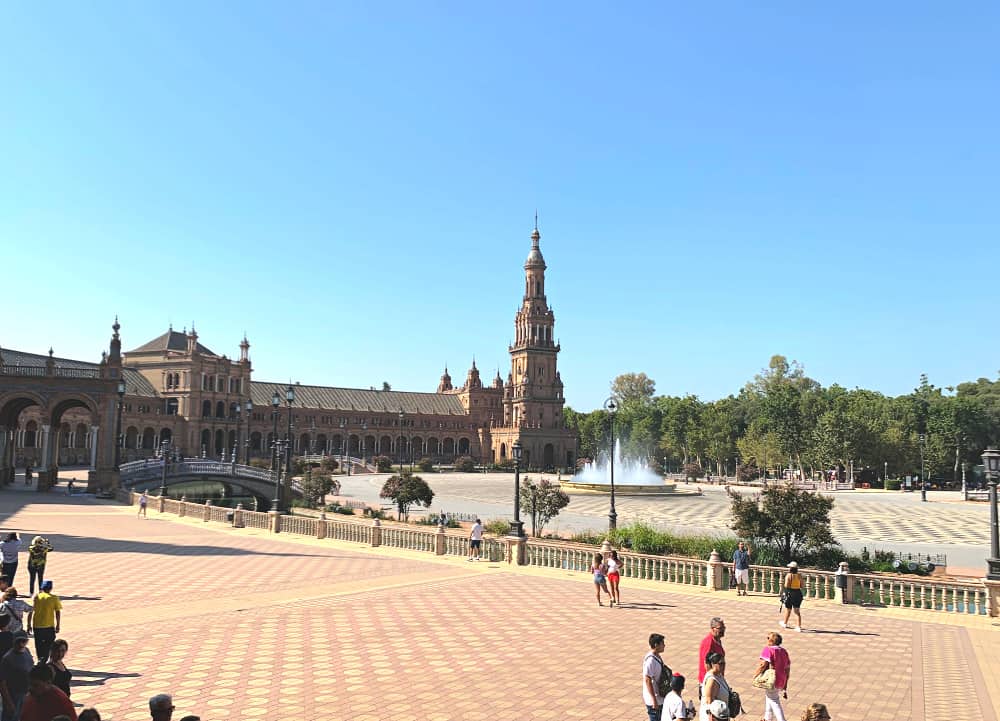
{"x": 776, "y": 657}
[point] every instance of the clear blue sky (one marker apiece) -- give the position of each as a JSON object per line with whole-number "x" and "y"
{"x": 354, "y": 184}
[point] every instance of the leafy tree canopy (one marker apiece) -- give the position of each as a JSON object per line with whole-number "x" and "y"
{"x": 405, "y": 489}
{"x": 790, "y": 519}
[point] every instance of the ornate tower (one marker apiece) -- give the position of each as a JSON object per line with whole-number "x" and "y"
{"x": 533, "y": 397}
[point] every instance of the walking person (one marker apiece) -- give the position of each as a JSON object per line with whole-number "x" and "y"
{"x": 775, "y": 658}
{"x": 9, "y": 548}
{"x": 61, "y": 676}
{"x": 38, "y": 554}
{"x": 47, "y": 617}
{"x": 712, "y": 643}
{"x": 15, "y": 666}
{"x": 27, "y": 474}
{"x": 741, "y": 568}
{"x": 653, "y": 670}
{"x": 600, "y": 569}
{"x": 143, "y": 501}
{"x": 614, "y": 564}
{"x": 45, "y": 700}
{"x": 15, "y": 608}
{"x": 792, "y": 596}
{"x": 714, "y": 688}
{"x": 475, "y": 540}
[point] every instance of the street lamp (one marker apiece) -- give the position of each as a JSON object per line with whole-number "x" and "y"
{"x": 289, "y": 401}
{"x": 275, "y": 402}
{"x": 611, "y": 407}
{"x": 279, "y": 447}
{"x": 364, "y": 429}
{"x": 164, "y": 454}
{"x": 121, "y": 407}
{"x": 344, "y": 445}
{"x": 923, "y": 477}
{"x": 239, "y": 419}
{"x": 246, "y": 443}
{"x": 517, "y": 526}
{"x": 991, "y": 464}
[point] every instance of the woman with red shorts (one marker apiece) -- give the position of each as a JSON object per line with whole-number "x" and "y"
{"x": 614, "y": 576}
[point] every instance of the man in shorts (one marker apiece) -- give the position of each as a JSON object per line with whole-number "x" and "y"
{"x": 475, "y": 540}
{"x": 652, "y": 668}
{"x": 741, "y": 568}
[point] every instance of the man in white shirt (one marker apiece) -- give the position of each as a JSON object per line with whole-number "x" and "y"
{"x": 652, "y": 668}
{"x": 475, "y": 540}
{"x": 673, "y": 705}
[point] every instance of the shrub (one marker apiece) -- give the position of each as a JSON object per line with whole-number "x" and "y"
{"x": 405, "y": 489}
{"x": 426, "y": 465}
{"x": 497, "y": 526}
{"x": 329, "y": 464}
{"x": 893, "y": 484}
{"x": 383, "y": 464}
{"x": 465, "y": 464}
{"x": 693, "y": 470}
{"x": 260, "y": 462}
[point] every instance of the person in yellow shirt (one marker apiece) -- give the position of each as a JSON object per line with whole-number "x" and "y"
{"x": 46, "y": 614}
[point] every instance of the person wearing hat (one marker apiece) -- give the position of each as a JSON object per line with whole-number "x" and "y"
{"x": 46, "y": 615}
{"x": 14, "y": 669}
{"x": 718, "y": 711}
{"x": 792, "y": 596}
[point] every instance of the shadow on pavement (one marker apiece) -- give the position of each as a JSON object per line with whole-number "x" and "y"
{"x": 100, "y": 677}
{"x": 839, "y": 633}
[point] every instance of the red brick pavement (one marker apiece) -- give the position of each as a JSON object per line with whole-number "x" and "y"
{"x": 240, "y": 625}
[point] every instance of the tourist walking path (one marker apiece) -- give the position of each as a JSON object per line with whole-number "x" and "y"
{"x": 238, "y": 624}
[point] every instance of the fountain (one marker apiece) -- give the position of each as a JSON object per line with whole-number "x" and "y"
{"x": 632, "y": 477}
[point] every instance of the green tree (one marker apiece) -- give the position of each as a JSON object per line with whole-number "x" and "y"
{"x": 790, "y": 519}
{"x": 632, "y": 389}
{"x": 426, "y": 465}
{"x": 316, "y": 486}
{"x": 404, "y": 489}
{"x": 383, "y": 464}
{"x": 542, "y": 502}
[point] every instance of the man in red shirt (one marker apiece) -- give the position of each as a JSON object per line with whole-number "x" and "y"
{"x": 712, "y": 643}
{"x": 44, "y": 701}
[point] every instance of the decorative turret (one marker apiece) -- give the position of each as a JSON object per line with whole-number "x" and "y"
{"x": 115, "y": 356}
{"x": 472, "y": 381}
{"x": 245, "y": 350}
{"x": 498, "y": 381}
{"x": 445, "y": 384}
{"x": 192, "y": 340}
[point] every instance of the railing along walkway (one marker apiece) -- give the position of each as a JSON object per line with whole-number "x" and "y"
{"x": 954, "y": 597}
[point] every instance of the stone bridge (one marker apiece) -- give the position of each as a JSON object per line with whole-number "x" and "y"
{"x": 152, "y": 473}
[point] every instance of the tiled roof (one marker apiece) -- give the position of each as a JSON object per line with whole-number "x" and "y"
{"x": 171, "y": 340}
{"x": 136, "y": 384}
{"x": 20, "y": 358}
{"x": 359, "y": 399}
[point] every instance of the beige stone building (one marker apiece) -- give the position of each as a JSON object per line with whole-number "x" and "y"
{"x": 180, "y": 392}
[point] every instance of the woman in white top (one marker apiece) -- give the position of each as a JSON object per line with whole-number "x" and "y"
{"x": 714, "y": 687}
{"x": 614, "y": 577}
{"x": 9, "y": 549}
{"x": 15, "y": 608}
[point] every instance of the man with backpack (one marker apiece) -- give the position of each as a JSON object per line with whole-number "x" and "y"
{"x": 656, "y": 676}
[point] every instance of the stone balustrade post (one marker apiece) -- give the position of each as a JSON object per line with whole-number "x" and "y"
{"x": 516, "y": 549}
{"x": 207, "y": 512}
{"x": 238, "y": 516}
{"x": 321, "y": 525}
{"x": 714, "y": 568}
{"x": 993, "y": 602}
{"x": 606, "y": 547}
{"x": 182, "y": 511}
{"x": 439, "y": 540}
{"x": 274, "y": 521}
{"x": 377, "y": 533}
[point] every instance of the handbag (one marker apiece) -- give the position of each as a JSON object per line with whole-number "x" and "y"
{"x": 765, "y": 679}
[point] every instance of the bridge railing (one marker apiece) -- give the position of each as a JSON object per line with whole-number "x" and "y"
{"x": 932, "y": 595}
{"x": 153, "y": 468}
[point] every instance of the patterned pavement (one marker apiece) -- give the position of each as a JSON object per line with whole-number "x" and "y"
{"x": 240, "y": 625}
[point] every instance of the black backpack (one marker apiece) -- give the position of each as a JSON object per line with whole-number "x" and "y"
{"x": 663, "y": 683}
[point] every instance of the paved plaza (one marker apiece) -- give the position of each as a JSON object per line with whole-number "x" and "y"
{"x": 241, "y": 625}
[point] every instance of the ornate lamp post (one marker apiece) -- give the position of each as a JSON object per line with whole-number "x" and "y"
{"x": 400, "y": 454}
{"x": 517, "y": 526}
{"x": 364, "y": 429}
{"x": 344, "y": 445}
{"x": 238, "y": 407}
{"x": 611, "y": 407}
{"x": 164, "y": 456}
{"x": 991, "y": 464}
{"x": 923, "y": 477}
{"x": 246, "y": 444}
{"x": 280, "y": 447}
{"x": 289, "y": 401}
{"x": 120, "y": 439}
{"x": 275, "y": 402}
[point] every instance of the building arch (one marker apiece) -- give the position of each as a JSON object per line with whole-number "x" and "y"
{"x": 503, "y": 451}
{"x": 166, "y": 436}
{"x": 321, "y": 443}
{"x": 220, "y": 409}
{"x": 255, "y": 440}
{"x": 148, "y": 438}
{"x": 172, "y": 406}
{"x": 463, "y": 446}
{"x": 206, "y": 409}
{"x": 231, "y": 444}
{"x": 337, "y": 444}
{"x": 448, "y": 447}
{"x": 548, "y": 456}
{"x": 354, "y": 445}
{"x": 11, "y": 408}
{"x": 220, "y": 439}
{"x": 30, "y": 435}
{"x": 80, "y": 436}
{"x": 385, "y": 445}
{"x": 433, "y": 446}
{"x": 62, "y": 403}
{"x": 206, "y": 442}
{"x": 64, "y": 432}
{"x": 132, "y": 437}
{"x": 417, "y": 445}
{"x": 369, "y": 445}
